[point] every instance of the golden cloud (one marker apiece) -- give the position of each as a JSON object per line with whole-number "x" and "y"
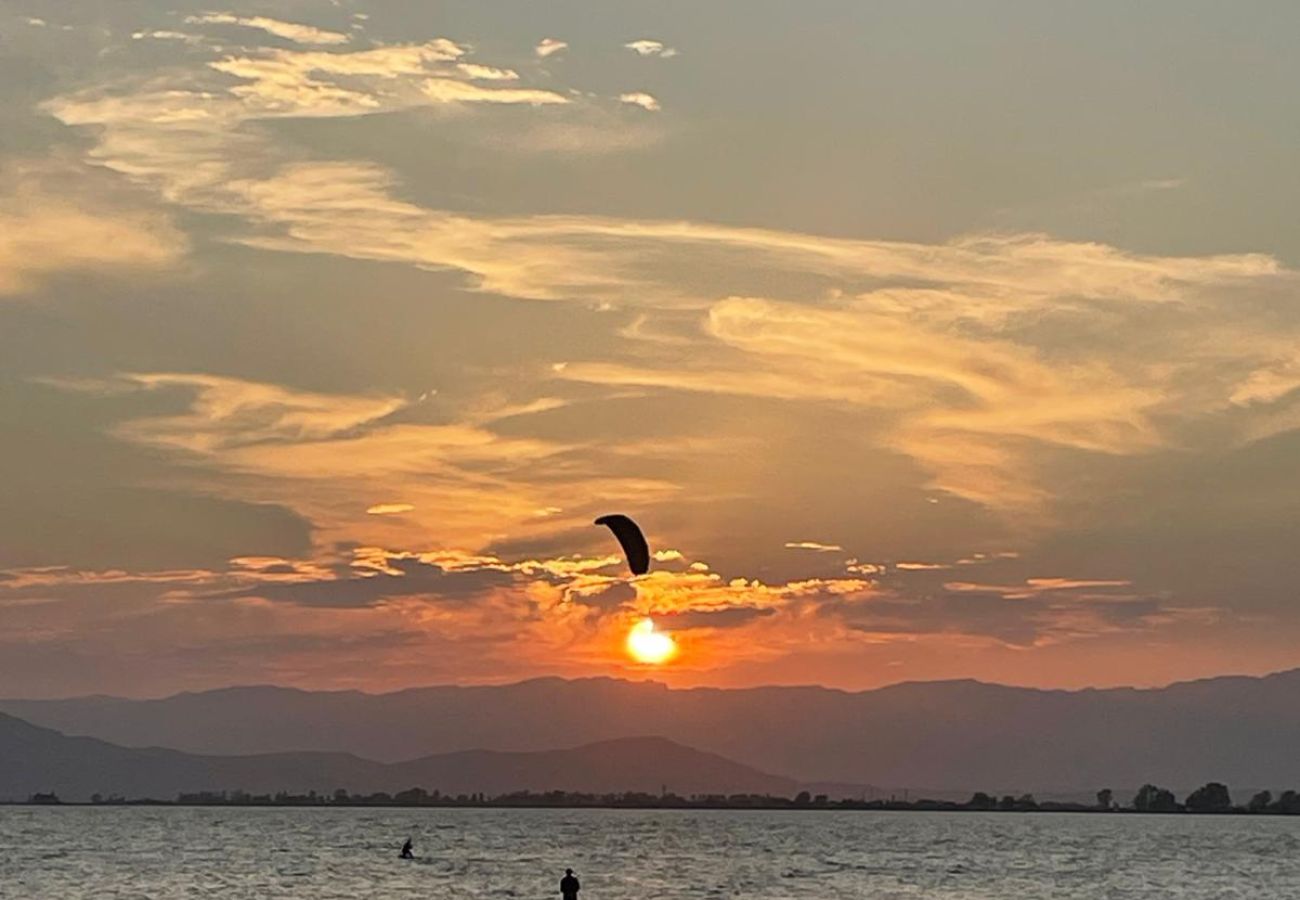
{"x": 956, "y": 351}
{"x": 47, "y": 226}
{"x": 291, "y": 31}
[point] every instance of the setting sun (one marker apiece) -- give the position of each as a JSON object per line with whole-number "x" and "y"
{"x": 649, "y": 646}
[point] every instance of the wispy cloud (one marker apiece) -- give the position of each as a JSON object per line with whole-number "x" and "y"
{"x": 951, "y": 349}
{"x": 814, "y": 546}
{"x": 486, "y": 73}
{"x": 327, "y": 457}
{"x": 1034, "y": 587}
{"x": 168, "y": 35}
{"x": 50, "y": 222}
{"x": 549, "y": 47}
{"x": 647, "y": 47}
{"x": 389, "y": 509}
{"x": 641, "y": 99}
{"x": 290, "y": 31}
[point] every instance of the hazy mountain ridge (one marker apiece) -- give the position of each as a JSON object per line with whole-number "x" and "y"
{"x": 37, "y": 759}
{"x": 955, "y": 735}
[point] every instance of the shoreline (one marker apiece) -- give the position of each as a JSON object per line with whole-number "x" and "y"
{"x": 1043, "y": 809}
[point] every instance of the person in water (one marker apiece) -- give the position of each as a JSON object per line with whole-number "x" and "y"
{"x": 569, "y": 886}
{"x": 407, "y": 849}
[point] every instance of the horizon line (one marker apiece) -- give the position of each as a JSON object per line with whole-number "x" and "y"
{"x": 651, "y": 682}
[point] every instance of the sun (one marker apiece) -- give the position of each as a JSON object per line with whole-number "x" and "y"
{"x": 646, "y": 645}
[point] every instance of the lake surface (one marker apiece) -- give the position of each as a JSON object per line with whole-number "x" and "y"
{"x": 234, "y": 853}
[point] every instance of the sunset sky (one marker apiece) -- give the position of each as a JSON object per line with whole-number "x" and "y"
{"x": 925, "y": 340}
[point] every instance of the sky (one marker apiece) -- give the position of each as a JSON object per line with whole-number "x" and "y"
{"x": 925, "y": 340}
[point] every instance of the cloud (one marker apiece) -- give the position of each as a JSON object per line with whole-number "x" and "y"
{"x": 290, "y": 31}
{"x": 52, "y": 221}
{"x": 971, "y": 378}
{"x": 326, "y": 456}
{"x": 641, "y": 99}
{"x": 962, "y": 405}
{"x": 1041, "y": 613}
{"x": 446, "y": 90}
{"x": 229, "y": 413}
{"x": 647, "y": 47}
{"x": 403, "y": 576}
{"x": 815, "y": 546}
{"x": 1035, "y": 587}
{"x": 389, "y": 509}
{"x": 164, "y": 35}
{"x": 322, "y": 84}
{"x": 549, "y": 47}
{"x": 569, "y": 607}
{"x": 486, "y": 73}
{"x": 734, "y": 617}
{"x": 977, "y": 358}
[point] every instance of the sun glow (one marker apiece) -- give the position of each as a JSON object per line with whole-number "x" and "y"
{"x": 646, "y": 645}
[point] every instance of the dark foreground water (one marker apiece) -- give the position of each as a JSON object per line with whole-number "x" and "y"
{"x": 52, "y": 853}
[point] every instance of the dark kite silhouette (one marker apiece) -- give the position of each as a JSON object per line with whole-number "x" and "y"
{"x": 632, "y": 540}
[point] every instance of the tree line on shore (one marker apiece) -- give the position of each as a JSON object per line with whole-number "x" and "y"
{"x": 1211, "y": 798}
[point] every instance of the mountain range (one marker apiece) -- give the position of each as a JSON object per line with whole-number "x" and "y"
{"x": 943, "y": 736}
{"x": 36, "y": 759}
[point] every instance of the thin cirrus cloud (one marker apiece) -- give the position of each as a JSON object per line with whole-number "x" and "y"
{"x": 815, "y": 546}
{"x": 162, "y": 34}
{"x": 969, "y": 408}
{"x": 940, "y": 344}
{"x": 326, "y": 456}
{"x": 53, "y": 221}
{"x": 290, "y": 31}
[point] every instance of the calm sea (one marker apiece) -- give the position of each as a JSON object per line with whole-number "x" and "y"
{"x": 52, "y": 853}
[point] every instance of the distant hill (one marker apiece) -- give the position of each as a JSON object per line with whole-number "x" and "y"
{"x": 35, "y": 759}
{"x": 955, "y": 735}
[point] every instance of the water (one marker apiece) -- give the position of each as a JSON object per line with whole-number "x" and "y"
{"x": 156, "y": 853}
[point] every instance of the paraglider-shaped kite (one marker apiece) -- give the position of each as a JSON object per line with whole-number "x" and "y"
{"x": 632, "y": 540}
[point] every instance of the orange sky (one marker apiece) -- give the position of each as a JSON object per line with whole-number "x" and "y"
{"x": 925, "y": 352}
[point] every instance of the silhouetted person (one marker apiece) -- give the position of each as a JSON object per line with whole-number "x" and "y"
{"x": 569, "y": 886}
{"x": 406, "y": 850}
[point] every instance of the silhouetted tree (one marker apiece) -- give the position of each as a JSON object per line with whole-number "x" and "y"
{"x": 412, "y": 797}
{"x": 1105, "y": 797}
{"x": 1260, "y": 802}
{"x": 1007, "y": 803}
{"x": 1288, "y": 804}
{"x": 982, "y": 800}
{"x": 1154, "y": 799}
{"x": 1213, "y": 797}
{"x": 803, "y": 798}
